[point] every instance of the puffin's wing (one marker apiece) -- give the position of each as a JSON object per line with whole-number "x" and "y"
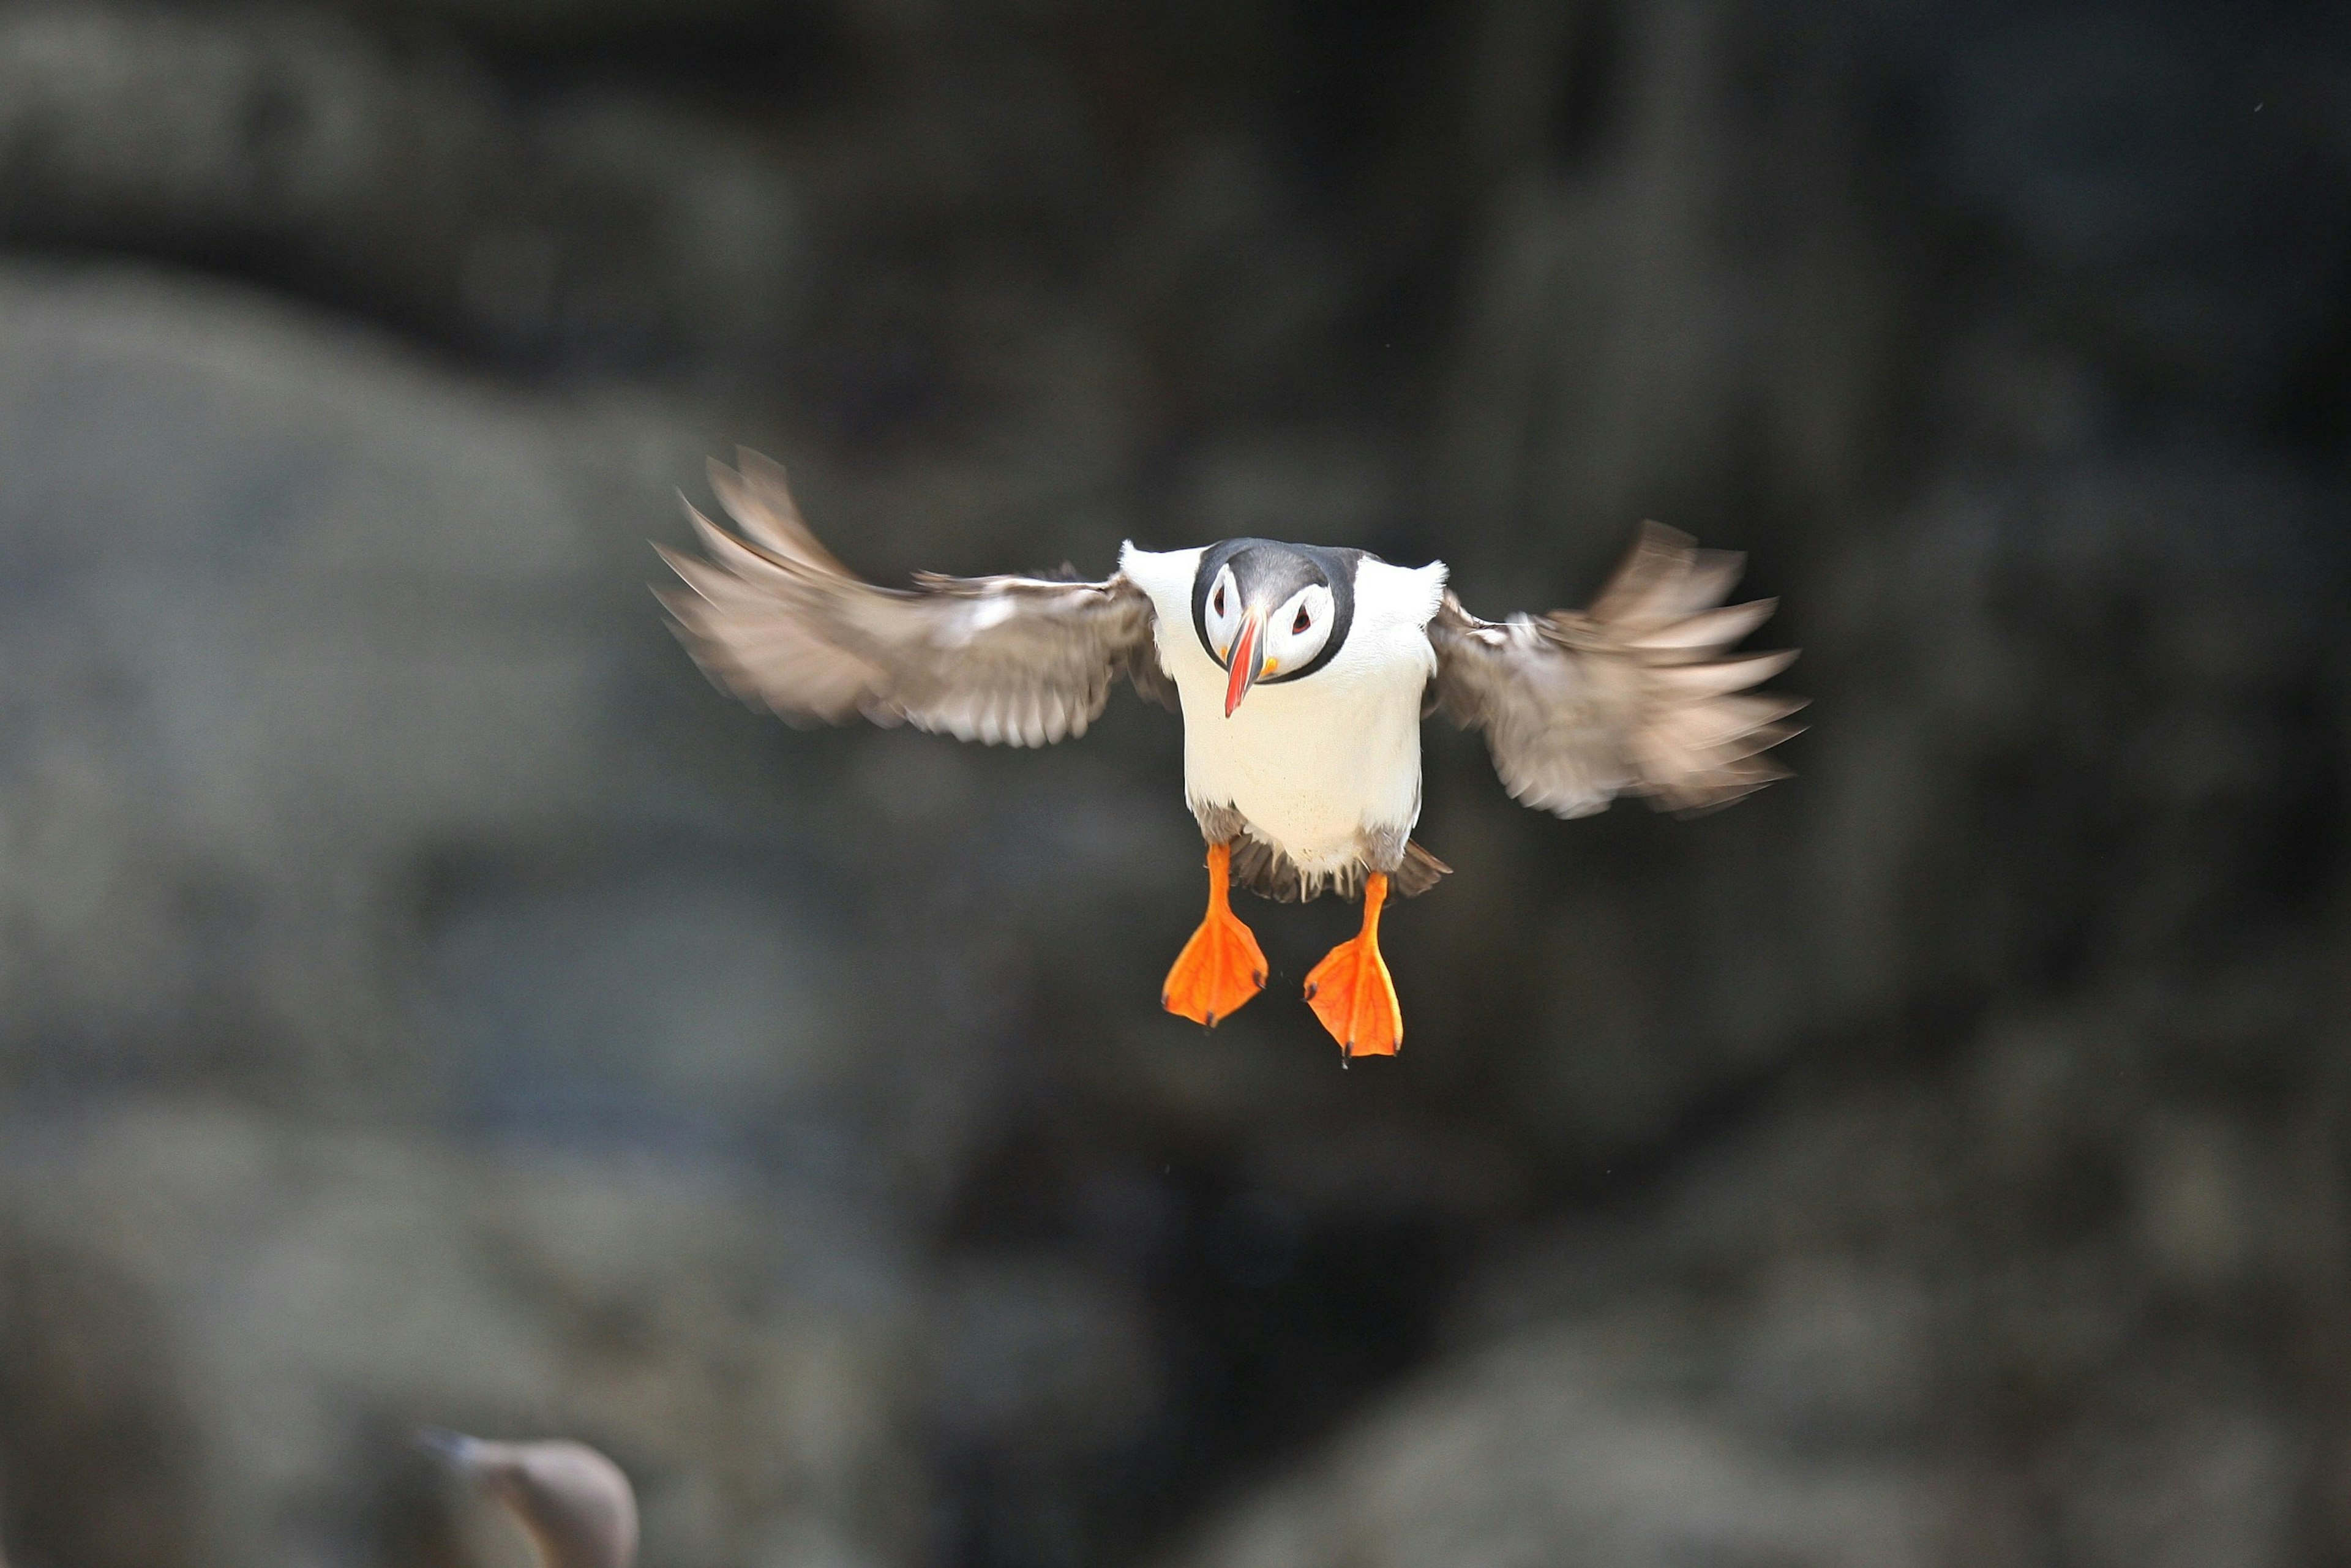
{"x": 776, "y": 620}
{"x": 1632, "y": 696}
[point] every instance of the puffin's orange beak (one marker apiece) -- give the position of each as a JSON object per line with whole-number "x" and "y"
{"x": 1246, "y": 665}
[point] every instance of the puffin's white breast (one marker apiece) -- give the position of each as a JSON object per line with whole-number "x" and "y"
{"x": 1313, "y": 762}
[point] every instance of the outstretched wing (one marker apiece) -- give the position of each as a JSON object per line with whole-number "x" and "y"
{"x": 776, "y": 619}
{"x": 1632, "y": 696}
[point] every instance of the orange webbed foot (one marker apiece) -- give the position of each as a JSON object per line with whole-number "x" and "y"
{"x": 1222, "y": 967}
{"x": 1349, "y": 989}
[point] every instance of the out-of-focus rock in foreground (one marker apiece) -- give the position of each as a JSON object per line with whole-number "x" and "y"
{"x": 227, "y": 1330}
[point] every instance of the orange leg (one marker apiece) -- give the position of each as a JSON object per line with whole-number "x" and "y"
{"x": 1221, "y": 967}
{"x": 1349, "y": 990}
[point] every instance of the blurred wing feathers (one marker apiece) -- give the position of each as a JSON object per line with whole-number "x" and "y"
{"x": 1632, "y": 696}
{"x": 775, "y": 619}
{"x": 761, "y": 504}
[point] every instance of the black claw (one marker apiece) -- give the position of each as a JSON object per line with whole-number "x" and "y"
{"x": 1311, "y": 990}
{"x": 1210, "y": 1021}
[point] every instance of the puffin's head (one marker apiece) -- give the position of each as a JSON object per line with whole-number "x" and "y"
{"x": 577, "y": 1505}
{"x": 1271, "y": 612}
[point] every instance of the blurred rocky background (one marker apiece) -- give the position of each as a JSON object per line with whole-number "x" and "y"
{"x": 423, "y": 1000}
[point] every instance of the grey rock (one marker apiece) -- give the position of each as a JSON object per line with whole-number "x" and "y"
{"x": 290, "y": 1303}
{"x": 2178, "y": 1466}
{"x": 296, "y": 622}
{"x": 594, "y": 229}
{"x": 1582, "y": 1444}
{"x": 1041, "y": 1357}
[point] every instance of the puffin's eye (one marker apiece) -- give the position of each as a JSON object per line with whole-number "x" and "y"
{"x": 1219, "y": 605}
{"x": 1299, "y": 626}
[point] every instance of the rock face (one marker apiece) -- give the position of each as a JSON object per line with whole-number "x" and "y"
{"x": 300, "y": 1300}
{"x": 423, "y": 999}
{"x": 254, "y": 671}
{"x": 327, "y": 159}
{"x": 1578, "y": 1447}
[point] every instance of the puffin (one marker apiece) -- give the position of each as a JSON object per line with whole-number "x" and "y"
{"x": 576, "y": 1505}
{"x": 1303, "y": 673}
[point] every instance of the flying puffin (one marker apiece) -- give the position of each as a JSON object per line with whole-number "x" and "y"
{"x": 1303, "y": 673}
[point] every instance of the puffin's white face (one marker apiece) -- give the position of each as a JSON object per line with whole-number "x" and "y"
{"x": 1295, "y": 630}
{"x": 1298, "y": 628}
{"x": 1272, "y": 611}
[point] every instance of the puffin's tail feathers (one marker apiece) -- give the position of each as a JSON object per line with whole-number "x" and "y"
{"x": 1267, "y": 872}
